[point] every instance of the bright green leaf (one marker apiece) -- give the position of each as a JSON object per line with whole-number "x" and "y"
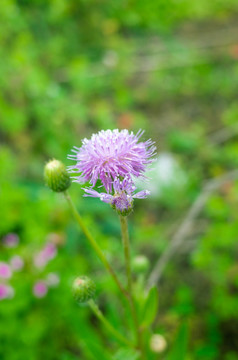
{"x": 126, "y": 354}
{"x": 179, "y": 349}
{"x": 151, "y": 307}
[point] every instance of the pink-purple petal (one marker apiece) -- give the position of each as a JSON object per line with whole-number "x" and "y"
{"x": 110, "y": 154}
{"x": 141, "y": 194}
{"x": 91, "y": 193}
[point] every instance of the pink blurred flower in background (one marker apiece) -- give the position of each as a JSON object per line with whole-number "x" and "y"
{"x": 5, "y": 270}
{"x": 6, "y": 291}
{"x": 40, "y": 289}
{"x": 42, "y": 258}
{"x": 52, "y": 280}
{"x": 11, "y": 240}
{"x": 16, "y": 263}
{"x": 49, "y": 251}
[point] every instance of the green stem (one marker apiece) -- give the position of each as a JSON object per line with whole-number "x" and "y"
{"x": 106, "y": 323}
{"x": 126, "y": 247}
{"x": 94, "y": 244}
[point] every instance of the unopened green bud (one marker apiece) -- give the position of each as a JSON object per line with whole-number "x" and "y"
{"x": 140, "y": 264}
{"x": 56, "y": 176}
{"x": 83, "y": 289}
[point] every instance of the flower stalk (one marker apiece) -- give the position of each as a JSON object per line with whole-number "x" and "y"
{"x": 107, "y": 324}
{"x": 94, "y": 244}
{"x": 127, "y": 293}
{"x": 126, "y": 247}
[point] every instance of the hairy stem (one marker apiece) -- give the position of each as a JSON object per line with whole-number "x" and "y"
{"x": 106, "y": 323}
{"x": 94, "y": 244}
{"x": 126, "y": 247}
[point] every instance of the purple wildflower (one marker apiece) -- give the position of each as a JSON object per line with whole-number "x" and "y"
{"x": 5, "y": 271}
{"x": 122, "y": 197}
{"x": 111, "y": 154}
{"x": 6, "y": 291}
{"x": 40, "y": 289}
{"x": 10, "y": 240}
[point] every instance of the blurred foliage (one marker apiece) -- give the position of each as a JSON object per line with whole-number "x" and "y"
{"x": 69, "y": 68}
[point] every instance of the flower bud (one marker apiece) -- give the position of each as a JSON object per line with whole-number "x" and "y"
{"x": 158, "y": 343}
{"x": 140, "y": 264}
{"x": 56, "y": 176}
{"x": 83, "y": 289}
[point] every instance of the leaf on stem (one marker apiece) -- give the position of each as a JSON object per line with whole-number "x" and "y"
{"x": 126, "y": 354}
{"x": 150, "y": 307}
{"x": 94, "y": 350}
{"x": 179, "y": 349}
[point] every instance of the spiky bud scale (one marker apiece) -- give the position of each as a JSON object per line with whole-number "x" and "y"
{"x": 83, "y": 289}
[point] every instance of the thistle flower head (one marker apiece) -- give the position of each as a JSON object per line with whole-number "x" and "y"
{"x": 111, "y": 154}
{"x": 122, "y": 195}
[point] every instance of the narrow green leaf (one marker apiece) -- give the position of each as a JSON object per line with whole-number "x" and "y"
{"x": 126, "y": 354}
{"x": 179, "y": 349}
{"x": 95, "y": 350}
{"x": 150, "y": 307}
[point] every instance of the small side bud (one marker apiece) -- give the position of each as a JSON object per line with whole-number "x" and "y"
{"x": 158, "y": 343}
{"x": 140, "y": 264}
{"x": 83, "y": 289}
{"x": 56, "y": 176}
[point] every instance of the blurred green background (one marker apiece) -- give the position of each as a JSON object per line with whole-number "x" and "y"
{"x": 70, "y": 68}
